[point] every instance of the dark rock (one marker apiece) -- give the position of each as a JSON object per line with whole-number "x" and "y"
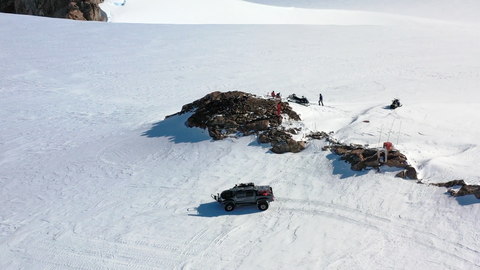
{"x": 289, "y": 145}
{"x": 258, "y": 125}
{"x": 319, "y": 135}
{"x": 358, "y": 166}
{"x": 280, "y": 147}
{"x": 396, "y": 159}
{"x": 274, "y": 135}
{"x": 464, "y": 190}
{"x": 450, "y": 183}
{"x": 227, "y": 113}
{"x": 411, "y": 173}
{"x": 71, "y": 9}
{"x": 401, "y": 174}
{"x": 467, "y": 190}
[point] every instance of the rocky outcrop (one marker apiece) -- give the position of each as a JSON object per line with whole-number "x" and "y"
{"x": 235, "y": 113}
{"x": 288, "y": 145}
{"x": 71, "y": 9}
{"x": 320, "y": 135}
{"x": 464, "y": 188}
{"x": 362, "y": 158}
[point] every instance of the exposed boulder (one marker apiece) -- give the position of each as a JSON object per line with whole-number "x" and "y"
{"x": 274, "y": 135}
{"x": 320, "y": 135}
{"x": 396, "y": 159}
{"x": 225, "y": 114}
{"x": 71, "y": 9}
{"x": 450, "y": 184}
{"x": 467, "y": 190}
{"x": 464, "y": 190}
{"x": 259, "y": 125}
{"x": 411, "y": 172}
{"x": 289, "y": 145}
{"x": 402, "y": 174}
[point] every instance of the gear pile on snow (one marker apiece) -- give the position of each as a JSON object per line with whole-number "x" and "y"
{"x": 235, "y": 113}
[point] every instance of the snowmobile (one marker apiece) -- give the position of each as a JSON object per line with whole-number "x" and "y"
{"x": 395, "y": 104}
{"x": 293, "y": 98}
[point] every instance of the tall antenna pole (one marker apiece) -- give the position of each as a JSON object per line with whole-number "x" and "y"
{"x": 380, "y": 137}
{"x": 399, "y": 131}
{"x": 390, "y": 130}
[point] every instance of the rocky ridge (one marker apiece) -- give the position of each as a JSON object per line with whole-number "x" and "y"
{"x": 88, "y": 10}
{"x": 464, "y": 188}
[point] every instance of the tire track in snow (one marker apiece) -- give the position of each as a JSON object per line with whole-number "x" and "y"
{"x": 218, "y": 241}
{"x": 370, "y": 221}
{"x": 76, "y": 252}
{"x": 200, "y": 235}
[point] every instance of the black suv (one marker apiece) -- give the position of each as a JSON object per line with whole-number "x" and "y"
{"x": 245, "y": 194}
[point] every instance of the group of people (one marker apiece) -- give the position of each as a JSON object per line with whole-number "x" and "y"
{"x": 275, "y": 95}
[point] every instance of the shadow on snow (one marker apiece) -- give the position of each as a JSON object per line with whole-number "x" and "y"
{"x": 214, "y": 209}
{"x": 342, "y": 168}
{"x": 465, "y": 200}
{"x": 177, "y": 131}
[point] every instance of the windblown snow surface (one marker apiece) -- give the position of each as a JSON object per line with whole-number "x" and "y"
{"x": 93, "y": 177}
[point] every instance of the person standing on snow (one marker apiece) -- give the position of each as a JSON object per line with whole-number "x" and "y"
{"x": 320, "y": 100}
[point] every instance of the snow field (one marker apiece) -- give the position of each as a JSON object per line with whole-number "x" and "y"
{"x": 93, "y": 177}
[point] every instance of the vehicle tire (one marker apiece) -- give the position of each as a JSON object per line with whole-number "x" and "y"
{"x": 229, "y": 206}
{"x": 262, "y": 205}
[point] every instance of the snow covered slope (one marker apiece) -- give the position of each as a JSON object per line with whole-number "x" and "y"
{"x": 459, "y": 10}
{"x": 237, "y": 12}
{"x": 93, "y": 177}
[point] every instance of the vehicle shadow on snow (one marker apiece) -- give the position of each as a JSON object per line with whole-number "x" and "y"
{"x": 175, "y": 129}
{"x": 214, "y": 209}
{"x": 342, "y": 168}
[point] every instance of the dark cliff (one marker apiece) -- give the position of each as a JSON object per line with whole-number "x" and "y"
{"x": 69, "y": 9}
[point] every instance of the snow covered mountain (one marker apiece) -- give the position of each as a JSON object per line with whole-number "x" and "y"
{"x": 93, "y": 177}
